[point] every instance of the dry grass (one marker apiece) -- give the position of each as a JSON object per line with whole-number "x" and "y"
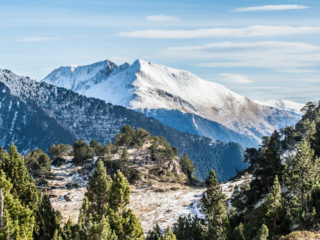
{"x": 301, "y": 235}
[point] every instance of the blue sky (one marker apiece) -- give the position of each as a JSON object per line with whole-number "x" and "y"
{"x": 261, "y": 49}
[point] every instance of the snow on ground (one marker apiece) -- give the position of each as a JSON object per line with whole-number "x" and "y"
{"x": 66, "y": 190}
{"x": 158, "y": 203}
{"x": 283, "y": 105}
{"x": 164, "y": 208}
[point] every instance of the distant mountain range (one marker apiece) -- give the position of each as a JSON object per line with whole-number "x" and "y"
{"x": 178, "y": 99}
{"x": 37, "y": 114}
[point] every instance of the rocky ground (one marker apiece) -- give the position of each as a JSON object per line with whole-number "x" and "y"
{"x": 66, "y": 189}
{"x": 154, "y": 203}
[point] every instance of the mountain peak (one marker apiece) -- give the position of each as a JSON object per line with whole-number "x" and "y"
{"x": 76, "y": 77}
{"x": 145, "y": 85}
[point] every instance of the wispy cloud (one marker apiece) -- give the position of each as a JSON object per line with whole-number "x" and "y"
{"x": 271, "y": 8}
{"x": 276, "y": 55}
{"x": 235, "y": 78}
{"x": 37, "y": 39}
{"x": 251, "y": 31}
{"x": 162, "y": 18}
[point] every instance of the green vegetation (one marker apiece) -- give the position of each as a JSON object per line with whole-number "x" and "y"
{"x": 283, "y": 196}
{"x": 187, "y": 167}
{"x": 282, "y": 201}
{"x": 38, "y": 163}
{"x": 104, "y": 214}
{"x": 25, "y": 213}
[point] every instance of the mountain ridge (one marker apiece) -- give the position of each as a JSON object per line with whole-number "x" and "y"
{"x": 148, "y": 86}
{"x": 93, "y": 119}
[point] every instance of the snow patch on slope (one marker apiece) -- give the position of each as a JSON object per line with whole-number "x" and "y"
{"x": 284, "y": 105}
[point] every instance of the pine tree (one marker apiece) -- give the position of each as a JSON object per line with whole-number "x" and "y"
{"x": 263, "y": 233}
{"x": 155, "y": 233}
{"x": 82, "y": 152}
{"x": 23, "y": 186}
{"x": 98, "y": 192}
{"x": 315, "y": 140}
{"x": 38, "y": 163}
{"x": 120, "y": 192}
{"x": 167, "y": 235}
{"x": 104, "y": 213}
{"x": 302, "y": 174}
{"x": 98, "y": 148}
{"x": 269, "y": 162}
{"x": 68, "y": 231}
{"x": 124, "y": 160}
{"x": 102, "y": 231}
{"x": 84, "y": 216}
{"x": 109, "y": 151}
{"x": 187, "y": 166}
{"x": 273, "y": 204}
{"x": 238, "y": 232}
{"x": 57, "y": 235}
{"x": 214, "y": 207}
{"x": 46, "y": 220}
{"x": 122, "y": 220}
{"x": 17, "y": 221}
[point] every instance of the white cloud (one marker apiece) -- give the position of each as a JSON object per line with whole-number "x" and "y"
{"x": 235, "y": 78}
{"x": 276, "y": 55}
{"x": 37, "y": 39}
{"x": 271, "y": 8}
{"x": 161, "y": 18}
{"x": 251, "y": 31}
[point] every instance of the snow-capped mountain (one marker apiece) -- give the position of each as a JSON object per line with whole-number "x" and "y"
{"x": 148, "y": 86}
{"x": 283, "y": 105}
{"x": 34, "y": 114}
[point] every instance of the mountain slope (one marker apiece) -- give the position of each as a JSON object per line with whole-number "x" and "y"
{"x": 285, "y": 105}
{"x": 27, "y": 125}
{"x": 144, "y": 86}
{"x": 89, "y": 118}
{"x": 192, "y": 123}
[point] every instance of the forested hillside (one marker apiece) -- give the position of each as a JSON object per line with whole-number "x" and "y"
{"x": 58, "y": 116}
{"x": 282, "y": 198}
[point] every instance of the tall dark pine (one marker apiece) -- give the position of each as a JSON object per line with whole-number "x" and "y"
{"x": 214, "y": 207}
{"x": 46, "y": 220}
{"x": 98, "y": 191}
{"x": 82, "y": 152}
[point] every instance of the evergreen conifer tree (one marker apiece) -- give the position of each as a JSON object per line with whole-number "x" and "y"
{"x": 46, "y": 220}
{"x": 302, "y": 174}
{"x": 273, "y": 204}
{"x": 82, "y": 152}
{"x": 155, "y": 233}
{"x": 167, "y": 235}
{"x": 23, "y": 186}
{"x": 123, "y": 220}
{"x": 187, "y": 166}
{"x": 120, "y": 192}
{"x": 124, "y": 160}
{"x": 98, "y": 192}
{"x": 17, "y": 220}
{"x": 214, "y": 207}
{"x": 263, "y": 233}
{"x": 238, "y": 232}
{"x": 315, "y": 140}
